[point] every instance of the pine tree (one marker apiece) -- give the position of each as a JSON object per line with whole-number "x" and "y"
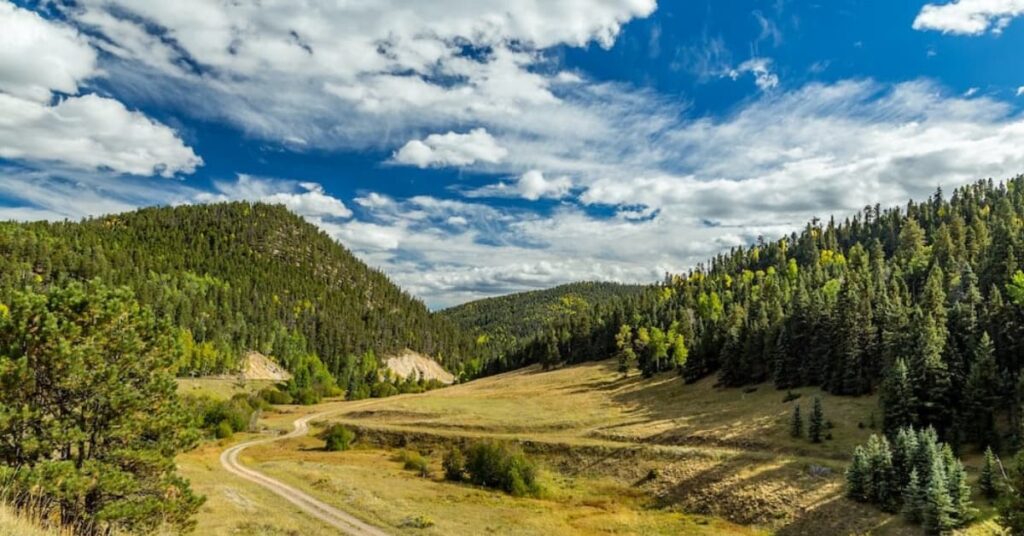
{"x": 817, "y": 422}
{"x": 987, "y": 477}
{"x": 796, "y": 426}
{"x": 981, "y": 393}
{"x": 857, "y": 476}
{"x": 881, "y": 488}
{"x": 1011, "y": 509}
{"x": 903, "y": 452}
{"x": 938, "y": 516}
{"x": 913, "y": 498}
{"x": 959, "y": 493}
{"x": 897, "y": 398}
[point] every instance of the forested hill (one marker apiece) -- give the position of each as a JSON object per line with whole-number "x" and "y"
{"x": 234, "y": 277}
{"x": 923, "y": 304}
{"x": 505, "y": 324}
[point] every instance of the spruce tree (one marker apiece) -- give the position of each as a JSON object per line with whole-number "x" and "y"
{"x": 981, "y": 393}
{"x": 897, "y": 398}
{"x": 987, "y": 477}
{"x": 913, "y": 498}
{"x": 881, "y": 488}
{"x": 938, "y": 516}
{"x": 903, "y": 452}
{"x": 796, "y": 425}
{"x": 1011, "y": 508}
{"x": 857, "y": 476}
{"x": 959, "y": 493}
{"x": 817, "y": 422}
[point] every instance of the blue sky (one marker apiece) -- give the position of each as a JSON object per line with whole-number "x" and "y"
{"x": 470, "y": 149}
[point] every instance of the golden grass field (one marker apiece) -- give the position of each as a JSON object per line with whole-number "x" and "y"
{"x": 723, "y": 462}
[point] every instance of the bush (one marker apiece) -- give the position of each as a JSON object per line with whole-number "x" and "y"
{"x": 336, "y": 438}
{"x": 275, "y": 396}
{"x": 500, "y": 466}
{"x": 454, "y": 464}
{"x": 223, "y": 430}
{"x": 414, "y": 461}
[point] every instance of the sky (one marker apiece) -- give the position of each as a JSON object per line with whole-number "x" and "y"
{"x": 472, "y": 148}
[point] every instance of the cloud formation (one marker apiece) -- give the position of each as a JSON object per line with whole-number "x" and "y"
{"x": 38, "y": 58}
{"x": 451, "y": 149}
{"x": 969, "y": 17}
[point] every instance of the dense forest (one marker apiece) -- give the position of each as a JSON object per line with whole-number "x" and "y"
{"x": 923, "y": 304}
{"x": 235, "y": 277}
{"x": 502, "y": 325}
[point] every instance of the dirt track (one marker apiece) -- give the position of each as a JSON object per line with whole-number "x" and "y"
{"x": 344, "y": 522}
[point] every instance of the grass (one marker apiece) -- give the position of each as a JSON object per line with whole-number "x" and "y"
{"x": 220, "y": 388}
{"x": 14, "y": 523}
{"x": 619, "y": 456}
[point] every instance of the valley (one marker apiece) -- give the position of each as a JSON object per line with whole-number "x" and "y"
{"x": 619, "y": 455}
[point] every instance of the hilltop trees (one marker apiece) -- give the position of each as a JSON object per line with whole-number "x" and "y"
{"x": 90, "y": 420}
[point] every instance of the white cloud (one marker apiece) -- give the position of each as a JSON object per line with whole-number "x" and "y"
{"x": 88, "y": 132}
{"x": 1020, "y": 91}
{"x": 451, "y": 149}
{"x": 303, "y": 198}
{"x": 971, "y": 91}
{"x": 531, "y": 185}
{"x": 91, "y": 133}
{"x": 388, "y": 70}
{"x": 764, "y": 78}
{"x": 969, "y": 17}
{"x": 37, "y": 56}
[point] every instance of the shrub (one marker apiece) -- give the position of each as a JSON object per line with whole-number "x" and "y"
{"x": 224, "y": 430}
{"x": 454, "y": 464}
{"x": 275, "y": 396}
{"x": 336, "y": 437}
{"x": 500, "y": 466}
{"x": 414, "y": 461}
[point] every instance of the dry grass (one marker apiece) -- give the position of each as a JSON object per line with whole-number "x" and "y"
{"x": 220, "y": 388}
{"x": 14, "y": 523}
{"x": 621, "y": 455}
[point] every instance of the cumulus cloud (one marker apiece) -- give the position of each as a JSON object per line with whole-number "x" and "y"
{"x": 39, "y": 57}
{"x": 91, "y": 132}
{"x": 531, "y": 185}
{"x": 451, "y": 149}
{"x": 303, "y": 198}
{"x": 969, "y": 17}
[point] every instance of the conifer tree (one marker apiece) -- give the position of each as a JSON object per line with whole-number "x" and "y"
{"x": 959, "y": 493}
{"x": 938, "y": 516}
{"x": 913, "y": 498}
{"x": 897, "y": 398}
{"x": 857, "y": 476}
{"x": 816, "y": 424}
{"x": 987, "y": 476}
{"x": 796, "y": 425}
{"x": 903, "y": 453}
{"x": 1011, "y": 508}
{"x": 981, "y": 393}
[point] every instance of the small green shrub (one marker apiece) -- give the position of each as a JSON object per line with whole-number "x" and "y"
{"x": 414, "y": 461}
{"x": 504, "y": 467}
{"x": 336, "y": 438}
{"x": 454, "y": 465}
{"x": 223, "y": 430}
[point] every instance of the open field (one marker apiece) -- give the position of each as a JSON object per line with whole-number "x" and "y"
{"x": 620, "y": 456}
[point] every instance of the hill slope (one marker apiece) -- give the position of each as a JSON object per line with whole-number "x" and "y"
{"x": 505, "y": 324}
{"x": 236, "y": 277}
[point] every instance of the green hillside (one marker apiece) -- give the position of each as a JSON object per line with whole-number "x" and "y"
{"x": 504, "y": 325}
{"x": 236, "y": 277}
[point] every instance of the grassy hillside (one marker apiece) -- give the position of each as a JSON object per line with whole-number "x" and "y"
{"x": 235, "y": 277}
{"x": 620, "y": 455}
{"x": 505, "y": 324}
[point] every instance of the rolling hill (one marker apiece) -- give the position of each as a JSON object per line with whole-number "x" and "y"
{"x": 236, "y": 277}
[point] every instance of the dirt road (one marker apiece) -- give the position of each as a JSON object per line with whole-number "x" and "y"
{"x": 334, "y": 517}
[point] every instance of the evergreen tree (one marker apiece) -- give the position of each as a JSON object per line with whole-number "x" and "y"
{"x": 1011, "y": 508}
{"x": 857, "y": 476}
{"x": 796, "y": 423}
{"x": 938, "y": 516}
{"x": 897, "y": 398}
{"x": 982, "y": 393}
{"x": 987, "y": 476}
{"x": 913, "y": 498}
{"x": 959, "y": 493}
{"x": 817, "y": 422}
